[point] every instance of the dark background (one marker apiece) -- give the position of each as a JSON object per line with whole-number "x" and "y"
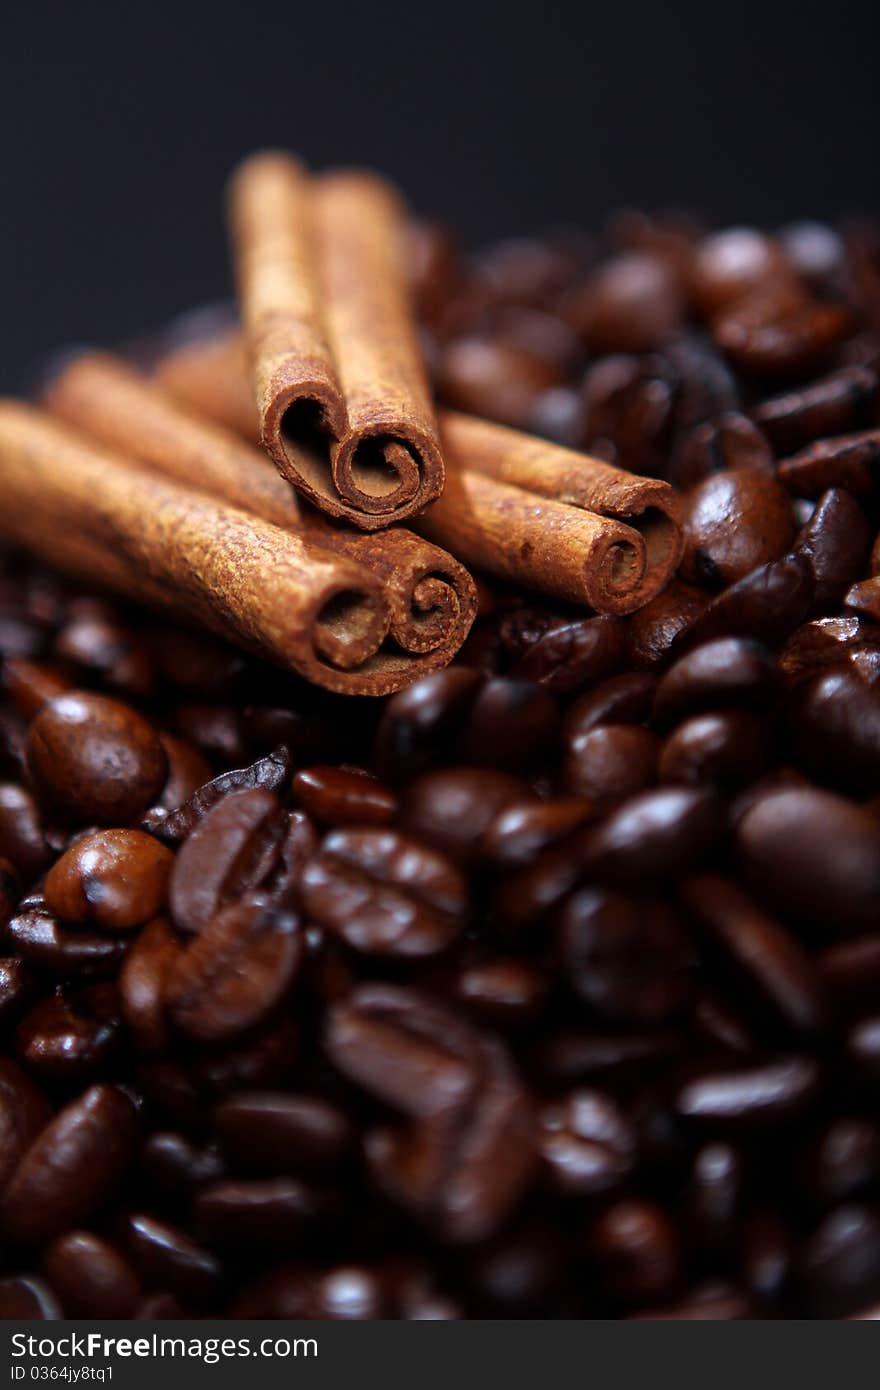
{"x": 120, "y": 123}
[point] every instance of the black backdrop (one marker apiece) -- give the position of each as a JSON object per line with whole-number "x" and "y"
{"x": 119, "y": 125}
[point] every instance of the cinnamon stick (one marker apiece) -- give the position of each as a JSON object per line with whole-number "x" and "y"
{"x": 88, "y": 511}
{"x": 616, "y": 547}
{"x": 431, "y": 598}
{"x": 340, "y": 385}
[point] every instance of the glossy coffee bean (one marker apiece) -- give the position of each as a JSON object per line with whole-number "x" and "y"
{"x": 520, "y": 832}
{"x": 636, "y": 1250}
{"x": 835, "y": 541}
{"x": 815, "y": 857}
{"x": 451, "y": 809}
{"x": 22, "y": 835}
{"x": 653, "y": 836}
{"x": 625, "y": 699}
{"x": 231, "y": 852}
{"x": 337, "y": 796}
{"x": 731, "y": 671}
{"x": 167, "y": 1258}
{"x": 586, "y": 1144}
{"x": 726, "y": 750}
{"x": 610, "y": 763}
{"x": 628, "y": 957}
{"x": 271, "y": 773}
{"x": 573, "y": 654}
{"x": 70, "y": 1036}
{"x": 90, "y": 1277}
{"x": 731, "y": 263}
{"x": 652, "y": 631}
{"x": 835, "y": 721}
{"x": 632, "y": 304}
{"x": 43, "y": 943}
{"x": 767, "y": 605}
{"x": 725, "y": 442}
{"x": 734, "y": 522}
{"x": 113, "y": 879}
{"x": 279, "y": 1132}
{"x": 842, "y": 402}
{"x": 846, "y": 461}
{"x": 759, "y": 1098}
{"x": 94, "y": 758}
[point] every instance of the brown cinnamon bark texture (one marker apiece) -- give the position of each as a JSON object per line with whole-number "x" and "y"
{"x": 338, "y": 376}
{"x": 617, "y": 545}
{"x": 88, "y": 511}
{"x": 431, "y": 598}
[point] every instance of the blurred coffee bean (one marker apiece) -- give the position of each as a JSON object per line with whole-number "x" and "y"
{"x": 727, "y": 750}
{"x": 835, "y": 730}
{"x": 450, "y": 809}
{"x": 631, "y": 304}
{"x": 266, "y": 1132}
{"x": 654, "y": 836}
{"x": 839, "y": 1265}
{"x": 625, "y": 699}
{"x": 835, "y": 540}
{"x": 586, "y": 1144}
{"x": 729, "y": 671}
{"x": 730, "y": 264}
{"x": 494, "y": 379}
{"x": 848, "y": 461}
{"x": 758, "y": 1098}
{"x": 840, "y": 403}
{"x": 90, "y": 1277}
{"x": 636, "y": 1250}
{"x": 609, "y": 763}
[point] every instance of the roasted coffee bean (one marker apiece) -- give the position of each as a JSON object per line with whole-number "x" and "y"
{"x": 636, "y": 1251}
{"x": 778, "y": 330}
{"x": 628, "y": 957}
{"x": 29, "y": 684}
{"x": 766, "y": 605}
{"x": 734, "y": 522}
{"x": 654, "y": 835}
{"x": 71, "y": 1035}
{"x": 270, "y": 774}
{"x": 174, "y": 1167}
{"x": 232, "y": 976}
{"x": 714, "y": 1194}
{"x": 90, "y": 1277}
{"x": 95, "y": 759}
{"x": 848, "y": 461}
{"x": 729, "y": 265}
{"x": 815, "y": 857}
{"x": 24, "y": 1111}
{"x": 523, "y": 830}
{"x": 24, "y": 1298}
{"x": 216, "y": 730}
{"x": 187, "y": 772}
{"x": 839, "y": 1265}
{"x": 651, "y": 632}
{"x": 511, "y": 724}
{"x": 18, "y": 987}
{"x": 453, "y": 807}
{"x": 729, "y": 441}
{"x": 417, "y": 721}
{"x": 837, "y": 404}
{"x": 609, "y": 763}
{"x": 106, "y": 650}
{"x": 842, "y": 1161}
{"x": 574, "y": 653}
{"x": 263, "y": 1215}
{"x": 167, "y": 1258}
{"x": 729, "y": 671}
{"x": 759, "y": 1098}
{"x": 503, "y": 992}
{"x": 770, "y": 958}
{"x": 230, "y": 853}
{"x": 142, "y": 985}
{"x": 835, "y": 721}
{"x": 72, "y": 1167}
{"x": 339, "y": 796}
{"x": 384, "y": 893}
{"x": 824, "y": 643}
{"x": 281, "y": 1132}
{"x": 623, "y": 699}
{"x": 627, "y": 405}
{"x": 766, "y": 1257}
{"x": 113, "y": 879}
{"x": 586, "y": 1145}
{"x": 726, "y": 750}
{"x": 501, "y": 381}
{"x": 835, "y": 540}
{"x": 22, "y": 837}
{"x": 38, "y": 937}
{"x": 631, "y": 304}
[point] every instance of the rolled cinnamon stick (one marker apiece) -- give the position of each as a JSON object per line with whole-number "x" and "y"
{"x": 87, "y": 511}
{"x": 616, "y": 548}
{"x": 431, "y": 598}
{"x": 340, "y": 385}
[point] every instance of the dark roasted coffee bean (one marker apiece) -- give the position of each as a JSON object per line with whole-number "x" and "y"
{"x": 727, "y": 750}
{"x": 636, "y": 1250}
{"x": 113, "y": 879}
{"x": 814, "y": 856}
{"x": 521, "y": 831}
{"x": 216, "y": 730}
{"x": 607, "y": 764}
{"x": 107, "y": 651}
{"x": 654, "y": 835}
{"x": 606, "y": 1058}
{"x": 167, "y": 1258}
{"x": 142, "y": 985}
{"x": 835, "y": 540}
{"x": 270, "y": 774}
{"x": 839, "y": 1265}
{"x": 770, "y": 958}
{"x": 734, "y": 521}
{"x": 43, "y": 943}
{"x": 338, "y": 796}
{"x": 725, "y": 442}
{"x": 628, "y": 957}
{"x": 778, "y": 330}
{"x": 453, "y": 807}
{"x": 232, "y": 976}
{"x": 499, "y": 380}
{"x": 95, "y": 759}
{"x": 848, "y": 460}
{"x": 18, "y": 987}
{"x": 22, "y": 837}
{"x": 230, "y": 853}
{"x": 417, "y": 721}
{"x": 91, "y": 1278}
{"x": 730, "y": 264}
{"x": 280, "y": 1132}
{"x": 837, "y": 404}
{"x": 24, "y": 1111}
{"x": 835, "y": 731}
{"x": 503, "y": 992}
{"x": 586, "y": 1145}
{"x": 511, "y": 724}
{"x": 631, "y": 304}
{"x": 627, "y": 411}
{"x": 71, "y": 1035}
{"x": 767, "y": 605}
{"x": 729, "y": 671}
{"x": 842, "y": 1161}
{"x": 714, "y": 1194}
{"x": 72, "y": 1168}
{"x": 623, "y": 699}
{"x": 29, "y": 684}
{"x": 759, "y": 1098}
{"x": 385, "y": 893}
{"x": 573, "y": 653}
{"x": 651, "y": 632}
{"x": 824, "y": 643}
{"x": 187, "y": 771}
{"x": 766, "y": 1250}
{"x": 262, "y": 1215}
{"x": 195, "y": 661}
{"x": 174, "y": 1167}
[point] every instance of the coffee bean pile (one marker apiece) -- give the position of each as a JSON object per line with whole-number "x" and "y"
{"x": 549, "y": 987}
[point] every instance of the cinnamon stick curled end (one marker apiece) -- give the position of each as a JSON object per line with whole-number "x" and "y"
{"x": 339, "y": 381}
